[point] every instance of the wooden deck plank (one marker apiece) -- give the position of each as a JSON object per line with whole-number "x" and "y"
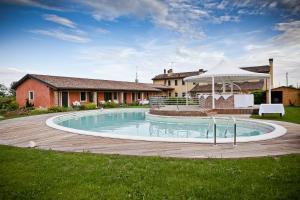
{"x": 18, "y": 132}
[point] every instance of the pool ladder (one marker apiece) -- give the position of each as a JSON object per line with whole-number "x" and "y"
{"x": 225, "y": 132}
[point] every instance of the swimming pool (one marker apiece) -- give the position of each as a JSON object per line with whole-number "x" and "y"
{"x": 138, "y": 124}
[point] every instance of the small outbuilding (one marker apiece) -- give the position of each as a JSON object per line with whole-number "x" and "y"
{"x": 286, "y": 95}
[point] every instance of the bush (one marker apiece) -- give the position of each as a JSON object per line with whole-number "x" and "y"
{"x": 135, "y": 103}
{"x": 57, "y": 109}
{"x": 8, "y": 103}
{"x": 259, "y": 97}
{"x": 109, "y": 105}
{"x": 28, "y": 104}
{"x": 90, "y": 106}
{"x": 13, "y": 105}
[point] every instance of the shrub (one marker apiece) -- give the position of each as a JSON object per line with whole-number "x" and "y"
{"x": 90, "y": 106}
{"x": 8, "y": 103}
{"x": 57, "y": 109}
{"x": 82, "y": 107}
{"x": 28, "y": 104}
{"x": 135, "y": 103}
{"x": 109, "y": 105}
{"x": 13, "y": 105}
{"x": 259, "y": 97}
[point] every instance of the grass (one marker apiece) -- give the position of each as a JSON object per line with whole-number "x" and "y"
{"x": 292, "y": 114}
{"x": 40, "y": 174}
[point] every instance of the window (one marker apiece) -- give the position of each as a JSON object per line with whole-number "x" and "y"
{"x": 183, "y": 83}
{"x": 176, "y": 94}
{"x": 82, "y": 96}
{"x": 30, "y": 95}
{"x": 183, "y": 94}
{"x": 175, "y": 82}
{"x": 169, "y": 82}
{"x": 115, "y": 96}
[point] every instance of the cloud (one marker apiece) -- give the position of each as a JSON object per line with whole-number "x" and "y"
{"x": 225, "y": 18}
{"x": 284, "y": 48}
{"x": 11, "y": 74}
{"x": 179, "y": 16}
{"x": 60, "y": 20}
{"x": 59, "y": 34}
{"x": 49, "y": 5}
{"x": 102, "y": 31}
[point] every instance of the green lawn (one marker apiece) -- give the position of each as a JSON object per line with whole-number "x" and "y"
{"x": 292, "y": 114}
{"x": 38, "y": 174}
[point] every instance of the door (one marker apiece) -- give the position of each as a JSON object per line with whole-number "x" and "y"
{"x": 65, "y": 99}
{"x": 125, "y": 98}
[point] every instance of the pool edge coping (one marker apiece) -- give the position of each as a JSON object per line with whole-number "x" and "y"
{"x": 277, "y": 132}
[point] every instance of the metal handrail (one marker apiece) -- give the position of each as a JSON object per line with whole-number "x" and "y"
{"x": 234, "y": 131}
{"x": 215, "y": 130}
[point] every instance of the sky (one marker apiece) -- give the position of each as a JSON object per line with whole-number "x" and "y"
{"x": 113, "y": 40}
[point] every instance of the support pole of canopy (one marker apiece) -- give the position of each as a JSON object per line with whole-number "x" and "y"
{"x": 231, "y": 87}
{"x": 224, "y": 90}
{"x": 213, "y": 91}
{"x": 269, "y": 91}
{"x": 186, "y": 94}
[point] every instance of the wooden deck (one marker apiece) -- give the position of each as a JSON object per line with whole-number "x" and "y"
{"x": 18, "y": 132}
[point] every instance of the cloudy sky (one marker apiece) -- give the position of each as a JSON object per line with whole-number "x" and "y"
{"x": 111, "y": 39}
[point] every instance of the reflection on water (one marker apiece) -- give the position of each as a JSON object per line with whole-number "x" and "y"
{"x": 135, "y": 123}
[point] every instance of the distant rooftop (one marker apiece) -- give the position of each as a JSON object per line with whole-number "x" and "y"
{"x": 171, "y": 75}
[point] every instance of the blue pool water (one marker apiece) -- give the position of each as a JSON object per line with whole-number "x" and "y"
{"x": 138, "y": 123}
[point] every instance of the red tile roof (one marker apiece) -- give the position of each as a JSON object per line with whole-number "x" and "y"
{"x": 245, "y": 86}
{"x": 177, "y": 75}
{"x": 60, "y": 82}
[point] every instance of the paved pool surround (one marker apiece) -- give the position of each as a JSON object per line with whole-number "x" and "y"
{"x": 20, "y": 131}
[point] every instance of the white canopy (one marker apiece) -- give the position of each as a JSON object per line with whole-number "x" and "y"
{"x": 226, "y": 74}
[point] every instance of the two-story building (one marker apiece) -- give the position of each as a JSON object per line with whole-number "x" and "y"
{"x": 175, "y": 81}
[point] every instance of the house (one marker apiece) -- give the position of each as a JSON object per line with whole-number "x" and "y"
{"x": 46, "y": 91}
{"x": 286, "y": 95}
{"x": 175, "y": 80}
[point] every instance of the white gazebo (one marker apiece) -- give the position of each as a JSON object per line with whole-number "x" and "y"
{"x": 226, "y": 75}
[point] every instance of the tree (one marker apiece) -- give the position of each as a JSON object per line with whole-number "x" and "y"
{"x": 12, "y": 91}
{"x": 3, "y": 90}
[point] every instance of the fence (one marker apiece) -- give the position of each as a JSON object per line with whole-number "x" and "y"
{"x": 204, "y": 101}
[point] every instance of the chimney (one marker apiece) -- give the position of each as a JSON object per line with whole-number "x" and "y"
{"x": 271, "y": 61}
{"x": 165, "y": 71}
{"x": 170, "y": 71}
{"x": 271, "y": 70}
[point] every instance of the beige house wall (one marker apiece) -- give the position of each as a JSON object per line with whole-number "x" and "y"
{"x": 179, "y": 88}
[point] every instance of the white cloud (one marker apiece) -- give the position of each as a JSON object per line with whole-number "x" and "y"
{"x": 60, "y": 20}
{"x": 102, "y": 31}
{"x": 59, "y": 34}
{"x": 11, "y": 74}
{"x": 179, "y": 16}
{"x": 284, "y": 48}
{"x": 49, "y": 5}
